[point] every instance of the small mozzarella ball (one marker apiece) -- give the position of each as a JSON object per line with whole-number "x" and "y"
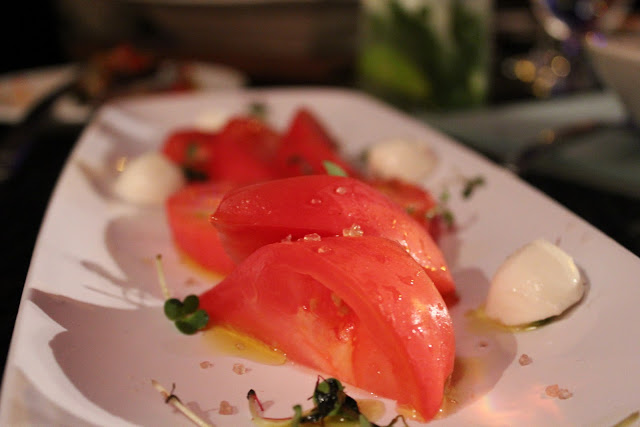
{"x": 410, "y": 161}
{"x": 536, "y": 282}
{"x": 211, "y": 120}
{"x": 148, "y": 179}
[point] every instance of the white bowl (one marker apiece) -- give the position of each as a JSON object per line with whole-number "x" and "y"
{"x": 616, "y": 60}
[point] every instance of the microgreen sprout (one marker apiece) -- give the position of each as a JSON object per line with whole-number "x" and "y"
{"x": 628, "y": 420}
{"x": 190, "y": 173}
{"x": 441, "y": 210}
{"x": 185, "y": 314}
{"x": 332, "y": 406}
{"x": 258, "y": 110}
{"x": 445, "y": 196}
{"x": 161, "y": 278}
{"x": 172, "y": 399}
{"x": 471, "y": 184}
{"x": 333, "y": 169}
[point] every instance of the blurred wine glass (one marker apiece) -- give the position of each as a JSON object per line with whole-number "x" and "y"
{"x": 573, "y": 19}
{"x": 568, "y": 22}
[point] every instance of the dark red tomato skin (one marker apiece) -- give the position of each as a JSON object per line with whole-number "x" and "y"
{"x": 244, "y": 152}
{"x": 255, "y": 135}
{"x": 416, "y": 201}
{"x": 188, "y": 211}
{"x": 256, "y": 215}
{"x": 190, "y": 149}
{"x": 306, "y": 145}
{"x": 356, "y": 308}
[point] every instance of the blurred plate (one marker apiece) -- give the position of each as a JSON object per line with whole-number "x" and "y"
{"x": 90, "y": 333}
{"x": 616, "y": 60}
{"x": 606, "y": 159}
{"x": 21, "y": 91}
{"x": 201, "y": 76}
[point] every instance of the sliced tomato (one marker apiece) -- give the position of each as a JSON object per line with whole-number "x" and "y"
{"x": 256, "y": 215}
{"x": 188, "y": 212}
{"x": 244, "y": 151}
{"x": 192, "y": 150}
{"x": 254, "y": 134}
{"x": 355, "y": 308}
{"x": 416, "y": 201}
{"x": 306, "y": 145}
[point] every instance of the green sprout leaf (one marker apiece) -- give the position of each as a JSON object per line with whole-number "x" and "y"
{"x": 332, "y": 406}
{"x": 448, "y": 218}
{"x": 442, "y": 211}
{"x": 471, "y": 185}
{"x": 445, "y": 196}
{"x": 173, "y": 309}
{"x": 258, "y": 110}
{"x": 193, "y": 322}
{"x": 333, "y": 169}
{"x": 190, "y": 304}
{"x": 186, "y": 315}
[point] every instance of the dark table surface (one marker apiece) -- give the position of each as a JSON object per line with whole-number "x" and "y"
{"x": 23, "y": 201}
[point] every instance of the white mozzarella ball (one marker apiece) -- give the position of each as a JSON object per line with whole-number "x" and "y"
{"x": 148, "y": 179}
{"x": 410, "y": 161}
{"x": 536, "y": 282}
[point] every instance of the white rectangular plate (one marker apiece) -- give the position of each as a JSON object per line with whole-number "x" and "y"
{"x": 91, "y": 335}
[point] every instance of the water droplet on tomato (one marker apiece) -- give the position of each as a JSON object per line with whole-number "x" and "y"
{"x": 314, "y": 237}
{"x": 354, "y": 231}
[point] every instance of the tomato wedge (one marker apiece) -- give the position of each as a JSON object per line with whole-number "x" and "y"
{"x": 253, "y": 216}
{"x": 356, "y": 308}
{"x": 416, "y": 201}
{"x": 188, "y": 211}
{"x": 305, "y": 146}
{"x": 190, "y": 149}
{"x": 244, "y": 152}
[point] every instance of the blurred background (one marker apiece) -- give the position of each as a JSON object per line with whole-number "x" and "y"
{"x": 273, "y": 42}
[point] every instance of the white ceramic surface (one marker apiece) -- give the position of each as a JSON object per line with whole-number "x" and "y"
{"x": 90, "y": 334}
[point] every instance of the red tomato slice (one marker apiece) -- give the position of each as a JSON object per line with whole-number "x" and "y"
{"x": 255, "y": 135}
{"x": 356, "y": 308}
{"x": 244, "y": 151}
{"x": 417, "y": 202}
{"x": 188, "y": 212}
{"x": 191, "y": 149}
{"x": 256, "y": 215}
{"x": 305, "y": 146}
